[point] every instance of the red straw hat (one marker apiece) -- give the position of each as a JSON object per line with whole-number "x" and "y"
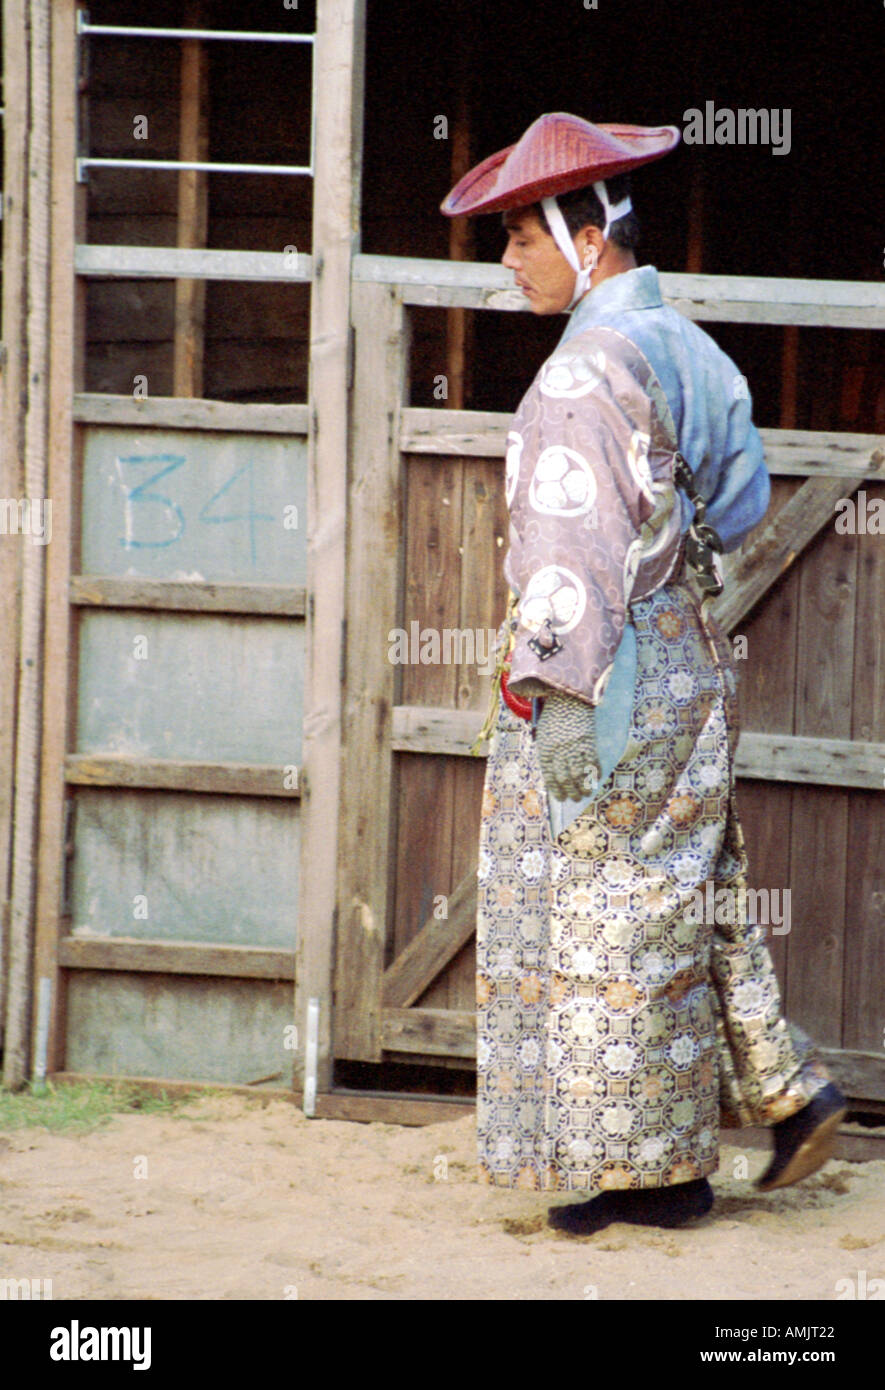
{"x": 556, "y": 154}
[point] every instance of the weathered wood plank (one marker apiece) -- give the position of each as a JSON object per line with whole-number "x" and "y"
{"x": 430, "y": 951}
{"x": 826, "y": 761}
{"x": 459, "y": 324}
{"x": 338, "y": 84}
{"x": 823, "y": 453}
{"x": 765, "y": 812}
{"x": 819, "y": 839}
{"x": 767, "y": 678}
{"x": 197, "y": 596}
{"x": 788, "y": 453}
{"x": 482, "y": 433}
{"x": 234, "y": 505}
{"x": 758, "y": 292}
{"x": 483, "y": 591}
{"x": 431, "y": 296}
{"x": 443, "y": 284}
{"x": 373, "y": 607}
{"x": 175, "y": 957}
{"x": 728, "y": 298}
{"x": 193, "y": 206}
{"x": 868, "y": 677}
{"x": 33, "y": 672}
{"x": 863, "y": 1023}
{"x": 460, "y": 975}
{"x": 765, "y": 645}
{"x": 431, "y": 599}
{"x": 748, "y": 299}
{"x": 13, "y": 371}
{"x": 175, "y": 774}
{"x": 860, "y": 1073}
{"x": 769, "y": 757}
{"x": 789, "y": 375}
{"x": 391, "y": 1108}
{"x": 423, "y": 729}
{"x": 447, "y": 1032}
{"x": 423, "y": 846}
{"x": 776, "y": 546}
{"x": 205, "y": 687}
{"x": 154, "y": 1086}
{"x": 482, "y": 604}
{"x": 158, "y": 864}
{"x": 179, "y": 263}
{"x": 209, "y": 1027}
{"x": 432, "y": 571}
{"x": 863, "y": 1020}
{"x": 66, "y": 211}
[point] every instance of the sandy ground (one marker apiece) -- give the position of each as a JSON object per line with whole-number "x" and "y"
{"x": 240, "y": 1199}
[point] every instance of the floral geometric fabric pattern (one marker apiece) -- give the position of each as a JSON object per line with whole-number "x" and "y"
{"x": 614, "y": 1032}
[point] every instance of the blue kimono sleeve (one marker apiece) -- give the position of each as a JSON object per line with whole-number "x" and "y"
{"x": 741, "y": 486}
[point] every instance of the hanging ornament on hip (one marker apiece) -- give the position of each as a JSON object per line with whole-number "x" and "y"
{"x": 516, "y": 703}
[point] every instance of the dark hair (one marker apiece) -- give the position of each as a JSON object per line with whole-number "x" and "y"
{"x": 582, "y": 206}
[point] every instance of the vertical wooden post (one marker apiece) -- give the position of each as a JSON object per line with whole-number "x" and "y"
{"x": 789, "y": 376}
{"x": 694, "y": 251}
{"x": 790, "y": 340}
{"x": 193, "y": 207}
{"x": 15, "y": 127}
{"x": 30, "y": 664}
{"x": 458, "y": 321}
{"x": 338, "y": 79}
{"x": 374, "y": 533}
{"x": 65, "y": 359}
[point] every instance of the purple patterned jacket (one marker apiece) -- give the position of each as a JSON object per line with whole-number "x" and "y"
{"x": 595, "y": 519}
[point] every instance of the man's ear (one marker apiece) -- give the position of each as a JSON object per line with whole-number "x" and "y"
{"x": 590, "y": 237}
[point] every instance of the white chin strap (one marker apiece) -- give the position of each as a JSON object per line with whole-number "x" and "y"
{"x": 563, "y": 239}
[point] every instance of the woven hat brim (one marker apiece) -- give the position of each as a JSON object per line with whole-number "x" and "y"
{"x": 481, "y": 190}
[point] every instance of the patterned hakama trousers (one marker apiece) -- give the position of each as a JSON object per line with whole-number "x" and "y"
{"x": 615, "y": 1031}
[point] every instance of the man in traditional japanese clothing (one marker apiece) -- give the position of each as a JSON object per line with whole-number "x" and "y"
{"x": 618, "y": 1026}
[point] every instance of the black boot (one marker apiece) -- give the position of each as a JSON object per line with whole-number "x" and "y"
{"x": 805, "y": 1141}
{"x": 647, "y": 1206}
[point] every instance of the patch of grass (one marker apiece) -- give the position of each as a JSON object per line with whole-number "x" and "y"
{"x": 79, "y": 1106}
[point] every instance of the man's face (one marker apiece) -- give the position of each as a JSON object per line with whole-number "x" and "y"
{"x": 541, "y": 270}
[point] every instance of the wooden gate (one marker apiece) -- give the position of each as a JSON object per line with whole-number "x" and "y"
{"x": 181, "y": 890}
{"x": 426, "y": 536}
